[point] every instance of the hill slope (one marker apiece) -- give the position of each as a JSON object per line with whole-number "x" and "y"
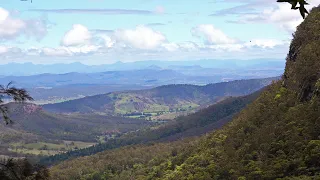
{"x": 164, "y": 98}
{"x": 33, "y": 119}
{"x": 206, "y": 120}
{"x": 275, "y": 137}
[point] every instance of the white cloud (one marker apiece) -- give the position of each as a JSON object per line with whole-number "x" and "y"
{"x": 189, "y": 46}
{"x": 108, "y": 42}
{"x": 4, "y": 14}
{"x": 253, "y": 44}
{"x": 83, "y": 49}
{"x": 226, "y": 47}
{"x": 11, "y": 28}
{"x": 170, "y": 47}
{"x": 8, "y": 52}
{"x": 3, "y": 49}
{"x": 143, "y": 43}
{"x": 54, "y": 52}
{"x": 69, "y": 51}
{"x": 265, "y": 43}
{"x": 78, "y": 35}
{"x": 211, "y": 34}
{"x": 141, "y": 37}
{"x": 280, "y": 14}
{"x": 183, "y": 46}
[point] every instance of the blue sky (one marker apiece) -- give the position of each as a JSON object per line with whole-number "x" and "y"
{"x": 105, "y": 31}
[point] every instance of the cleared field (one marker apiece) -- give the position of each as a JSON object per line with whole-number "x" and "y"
{"x": 43, "y": 148}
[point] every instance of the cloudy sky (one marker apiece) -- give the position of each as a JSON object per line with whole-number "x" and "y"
{"x": 106, "y": 31}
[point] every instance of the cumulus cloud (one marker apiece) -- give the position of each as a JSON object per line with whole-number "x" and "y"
{"x": 143, "y": 42}
{"x": 265, "y": 43}
{"x": 108, "y": 42}
{"x": 182, "y": 46}
{"x": 78, "y": 35}
{"x": 279, "y": 14}
{"x": 257, "y": 44}
{"x": 68, "y": 51}
{"x": 171, "y": 46}
{"x": 211, "y": 34}
{"x": 141, "y": 37}
{"x": 54, "y": 52}
{"x": 11, "y": 28}
{"x": 7, "y": 52}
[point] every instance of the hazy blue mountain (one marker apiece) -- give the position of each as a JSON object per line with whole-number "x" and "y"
{"x": 60, "y": 82}
{"x": 163, "y": 98}
{"x": 108, "y": 77}
{"x": 154, "y": 76}
{"x": 23, "y": 69}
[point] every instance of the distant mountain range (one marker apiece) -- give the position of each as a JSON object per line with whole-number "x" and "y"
{"x": 143, "y": 77}
{"x": 60, "y": 82}
{"x": 23, "y": 69}
{"x": 164, "y": 98}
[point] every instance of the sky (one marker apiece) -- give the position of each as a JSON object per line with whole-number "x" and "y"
{"x": 107, "y": 31}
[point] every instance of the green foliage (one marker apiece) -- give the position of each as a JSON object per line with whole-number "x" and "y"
{"x": 303, "y": 11}
{"x": 303, "y": 67}
{"x": 22, "y": 169}
{"x": 195, "y": 124}
{"x": 16, "y": 94}
{"x": 161, "y": 99}
{"x": 272, "y": 138}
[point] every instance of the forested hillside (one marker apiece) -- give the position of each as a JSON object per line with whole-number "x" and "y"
{"x": 196, "y": 124}
{"x": 169, "y": 98}
{"x": 275, "y": 137}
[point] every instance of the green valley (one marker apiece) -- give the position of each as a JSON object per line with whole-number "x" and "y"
{"x": 151, "y": 103}
{"x": 274, "y": 137}
{"x": 160, "y": 90}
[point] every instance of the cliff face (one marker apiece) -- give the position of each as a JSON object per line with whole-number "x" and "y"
{"x": 303, "y": 61}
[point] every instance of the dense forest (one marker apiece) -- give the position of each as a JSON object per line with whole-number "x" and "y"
{"x": 275, "y": 137}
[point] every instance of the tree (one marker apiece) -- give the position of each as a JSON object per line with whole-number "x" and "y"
{"x": 11, "y": 92}
{"x": 20, "y": 169}
{"x": 294, "y": 3}
{"x": 16, "y": 169}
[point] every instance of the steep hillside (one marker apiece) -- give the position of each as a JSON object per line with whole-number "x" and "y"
{"x": 169, "y": 98}
{"x": 275, "y": 137}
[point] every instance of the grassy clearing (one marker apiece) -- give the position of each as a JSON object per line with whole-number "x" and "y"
{"x": 43, "y": 148}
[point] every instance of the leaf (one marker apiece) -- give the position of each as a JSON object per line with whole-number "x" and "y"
{"x": 302, "y": 3}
